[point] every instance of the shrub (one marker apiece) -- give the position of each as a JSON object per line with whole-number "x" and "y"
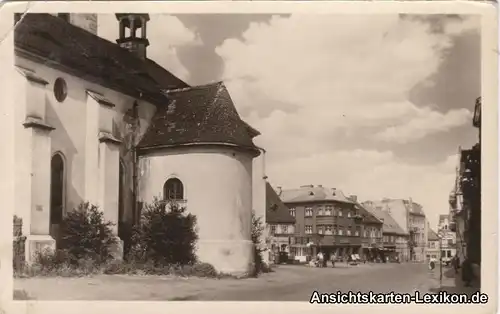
{"x": 86, "y": 235}
{"x": 205, "y": 270}
{"x": 257, "y": 230}
{"x": 256, "y": 235}
{"x": 165, "y": 236}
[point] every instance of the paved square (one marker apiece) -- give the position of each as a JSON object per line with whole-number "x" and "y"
{"x": 287, "y": 283}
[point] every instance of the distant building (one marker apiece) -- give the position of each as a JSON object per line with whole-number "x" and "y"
{"x": 280, "y": 225}
{"x": 395, "y": 239}
{"x": 410, "y": 217}
{"x": 432, "y": 245}
{"x": 326, "y": 220}
{"x": 448, "y": 238}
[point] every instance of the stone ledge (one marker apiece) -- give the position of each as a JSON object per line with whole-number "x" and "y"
{"x": 37, "y": 123}
{"x": 36, "y": 243}
{"x": 105, "y": 137}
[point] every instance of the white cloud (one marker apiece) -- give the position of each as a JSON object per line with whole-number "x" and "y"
{"x": 372, "y": 175}
{"x": 424, "y": 122}
{"x": 166, "y": 34}
{"x": 306, "y": 81}
{"x": 342, "y": 72}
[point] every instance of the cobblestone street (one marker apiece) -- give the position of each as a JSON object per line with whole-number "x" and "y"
{"x": 287, "y": 283}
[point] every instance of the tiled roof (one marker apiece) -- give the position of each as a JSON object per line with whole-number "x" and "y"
{"x": 390, "y": 225}
{"x": 198, "y": 115}
{"x": 59, "y": 44}
{"x": 416, "y": 209}
{"x": 312, "y": 193}
{"x": 276, "y": 211}
{"x": 368, "y": 217}
{"x": 432, "y": 236}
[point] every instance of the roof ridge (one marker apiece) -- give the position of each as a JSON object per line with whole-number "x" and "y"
{"x": 185, "y": 89}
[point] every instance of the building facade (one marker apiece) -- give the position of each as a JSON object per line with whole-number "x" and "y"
{"x": 326, "y": 220}
{"x": 418, "y": 231}
{"x": 280, "y": 226}
{"x": 465, "y": 200}
{"x": 433, "y": 249}
{"x": 100, "y": 122}
{"x": 411, "y": 218}
{"x": 448, "y": 238}
{"x": 395, "y": 240}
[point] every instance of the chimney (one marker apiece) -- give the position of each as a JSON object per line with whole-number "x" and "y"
{"x": 353, "y": 198}
{"x": 320, "y": 185}
{"x": 130, "y": 40}
{"x": 307, "y": 186}
{"x": 279, "y": 190}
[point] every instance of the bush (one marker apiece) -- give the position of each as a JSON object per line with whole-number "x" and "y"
{"x": 85, "y": 235}
{"x": 205, "y": 270}
{"x": 150, "y": 268}
{"x": 257, "y": 233}
{"x": 164, "y": 236}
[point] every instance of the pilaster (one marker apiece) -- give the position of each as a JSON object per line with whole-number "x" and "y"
{"x": 37, "y": 135}
{"x": 102, "y": 167}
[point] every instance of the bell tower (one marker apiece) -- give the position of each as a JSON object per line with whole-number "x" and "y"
{"x": 129, "y": 24}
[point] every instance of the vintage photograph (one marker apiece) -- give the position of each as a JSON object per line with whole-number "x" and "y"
{"x": 245, "y": 157}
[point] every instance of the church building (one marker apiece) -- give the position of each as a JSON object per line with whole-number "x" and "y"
{"x": 98, "y": 121}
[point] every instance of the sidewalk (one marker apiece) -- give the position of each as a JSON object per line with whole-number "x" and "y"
{"x": 452, "y": 283}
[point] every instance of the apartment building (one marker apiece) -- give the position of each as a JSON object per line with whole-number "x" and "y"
{"x": 411, "y": 218}
{"x": 326, "y": 220}
{"x": 280, "y": 225}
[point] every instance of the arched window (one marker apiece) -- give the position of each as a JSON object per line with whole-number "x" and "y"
{"x": 173, "y": 190}
{"x": 56, "y": 189}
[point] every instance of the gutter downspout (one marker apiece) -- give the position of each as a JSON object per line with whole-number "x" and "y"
{"x": 263, "y": 151}
{"x": 135, "y": 114}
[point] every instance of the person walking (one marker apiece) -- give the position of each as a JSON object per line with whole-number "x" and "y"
{"x": 320, "y": 259}
{"x": 432, "y": 264}
{"x": 456, "y": 263}
{"x": 332, "y": 259}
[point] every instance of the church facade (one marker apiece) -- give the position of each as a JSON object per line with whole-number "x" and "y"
{"x": 98, "y": 121}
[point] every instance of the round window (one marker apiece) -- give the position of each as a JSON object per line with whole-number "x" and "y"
{"x": 60, "y": 90}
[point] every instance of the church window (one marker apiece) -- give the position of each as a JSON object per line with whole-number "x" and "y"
{"x": 56, "y": 189}
{"x": 173, "y": 190}
{"x": 60, "y": 90}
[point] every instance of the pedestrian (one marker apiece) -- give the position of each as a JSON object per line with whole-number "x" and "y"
{"x": 332, "y": 259}
{"x": 455, "y": 262}
{"x": 432, "y": 264}
{"x": 320, "y": 259}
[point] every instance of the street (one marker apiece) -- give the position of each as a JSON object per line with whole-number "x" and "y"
{"x": 287, "y": 283}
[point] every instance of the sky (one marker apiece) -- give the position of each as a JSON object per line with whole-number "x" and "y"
{"x": 373, "y": 105}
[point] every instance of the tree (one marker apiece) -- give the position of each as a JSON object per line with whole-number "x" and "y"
{"x": 256, "y": 235}
{"x": 165, "y": 235}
